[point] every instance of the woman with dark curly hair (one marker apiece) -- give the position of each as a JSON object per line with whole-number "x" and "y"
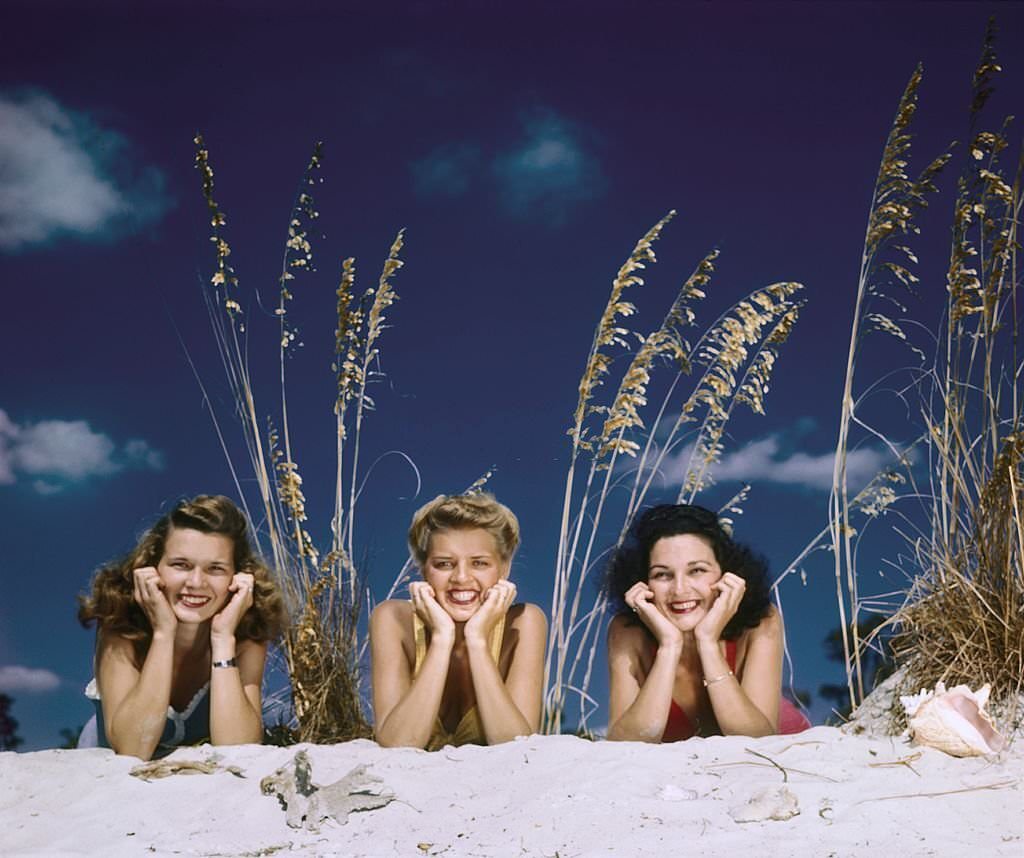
{"x": 696, "y": 648}
{"x": 183, "y": 624}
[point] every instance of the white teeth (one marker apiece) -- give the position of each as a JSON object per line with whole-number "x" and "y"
{"x": 462, "y": 596}
{"x": 684, "y": 606}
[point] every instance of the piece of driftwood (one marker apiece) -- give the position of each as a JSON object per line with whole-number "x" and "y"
{"x": 306, "y": 805}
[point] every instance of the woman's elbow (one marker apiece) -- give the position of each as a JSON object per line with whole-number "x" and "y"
{"x": 618, "y": 731}
{"x": 249, "y": 737}
{"x": 397, "y": 742}
{"x": 131, "y": 743}
{"x": 387, "y": 738}
{"x": 129, "y": 749}
{"x": 756, "y": 730}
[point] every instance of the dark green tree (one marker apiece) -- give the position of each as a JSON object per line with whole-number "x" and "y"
{"x": 70, "y": 737}
{"x": 9, "y": 738}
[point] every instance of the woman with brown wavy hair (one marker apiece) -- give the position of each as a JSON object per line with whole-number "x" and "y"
{"x": 183, "y": 624}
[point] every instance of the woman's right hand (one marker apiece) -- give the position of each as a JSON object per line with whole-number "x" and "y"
{"x": 428, "y": 609}
{"x": 640, "y": 598}
{"x": 148, "y": 590}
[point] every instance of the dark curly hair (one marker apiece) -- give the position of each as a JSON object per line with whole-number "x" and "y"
{"x": 111, "y": 604}
{"x": 631, "y": 561}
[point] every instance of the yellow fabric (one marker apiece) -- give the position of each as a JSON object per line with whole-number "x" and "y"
{"x": 470, "y": 730}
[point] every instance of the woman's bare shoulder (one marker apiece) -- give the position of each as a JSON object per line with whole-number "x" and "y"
{"x": 625, "y": 632}
{"x": 115, "y": 646}
{"x": 526, "y": 615}
{"x": 770, "y": 625}
{"x": 393, "y": 615}
{"x": 767, "y": 634}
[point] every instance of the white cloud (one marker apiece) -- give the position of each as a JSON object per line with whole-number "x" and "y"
{"x": 139, "y": 452}
{"x": 763, "y": 461}
{"x": 62, "y": 452}
{"x": 447, "y": 171}
{"x": 63, "y": 175}
{"x": 548, "y": 170}
{"x": 14, "y": 677}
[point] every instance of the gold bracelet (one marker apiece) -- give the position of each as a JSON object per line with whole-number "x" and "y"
{"x": 708, "y": 682}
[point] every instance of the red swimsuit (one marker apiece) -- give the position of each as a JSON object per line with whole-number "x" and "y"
{"x": 678, "y": 727}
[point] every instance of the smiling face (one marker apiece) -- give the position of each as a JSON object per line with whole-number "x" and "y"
{"x": 196, "y": 569}
{"x": 681, "y": 572}
{"x": 461, "y": 566}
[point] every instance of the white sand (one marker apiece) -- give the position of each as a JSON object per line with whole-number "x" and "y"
{"x": 542, "y": 796}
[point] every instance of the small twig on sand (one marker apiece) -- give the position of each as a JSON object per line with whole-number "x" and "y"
{"x": 903, "y": 761}
{"x": 796, "y": 744}
{"x": 766, "y": 766}
{"x": 785, "y": 774}
{"x": 997, "y": 785}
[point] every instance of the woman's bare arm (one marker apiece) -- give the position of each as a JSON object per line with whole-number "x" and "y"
{"x": 134, "y": 701}
{"x": 639, "y": 704}
{"x": 511, "y": 707}
{"x": 405, "y": 709}
{"x": 236, "y": 716}
{"x": 748, "y": 707}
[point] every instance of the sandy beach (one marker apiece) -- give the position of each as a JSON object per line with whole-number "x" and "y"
{"x": 831, "y": 794}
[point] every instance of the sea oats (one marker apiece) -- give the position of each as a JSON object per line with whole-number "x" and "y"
{"x": 961, "y": 617}
{"x": 224, "y": 276}
{"x": 324, "y": 591}
{"x": 608, "y": 331}
{"x": 605, "y": 430}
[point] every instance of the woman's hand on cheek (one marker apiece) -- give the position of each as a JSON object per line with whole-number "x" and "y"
{"x": 730, "y": 589}
{"x": 425, "y": 604}
{"x": 226, "y": 620}
{"x": 640, "y": 598}
{"x": 148, "y": 591}
{"x": 496, "y": 602}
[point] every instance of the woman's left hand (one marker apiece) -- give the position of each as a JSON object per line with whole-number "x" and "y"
{"x": 497, "y": 600}
{"x": 226, "y": 620}
{"x": 730, "y": 589}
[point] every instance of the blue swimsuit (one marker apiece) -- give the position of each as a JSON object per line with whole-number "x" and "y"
{"x": 188, "y": 727}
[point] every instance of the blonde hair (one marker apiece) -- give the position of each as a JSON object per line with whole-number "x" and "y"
{"x": 463, "y": 512}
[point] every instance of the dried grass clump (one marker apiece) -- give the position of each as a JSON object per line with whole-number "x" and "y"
{"x": 962, "y": 618}
{"x": 323, "y": 589}
{"x": 325, "y": 690}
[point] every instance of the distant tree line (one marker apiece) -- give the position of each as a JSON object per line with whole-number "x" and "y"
{"x": 9, "y": 738}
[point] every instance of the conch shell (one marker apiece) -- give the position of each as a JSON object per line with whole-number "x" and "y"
{"x": 954, "y": 721}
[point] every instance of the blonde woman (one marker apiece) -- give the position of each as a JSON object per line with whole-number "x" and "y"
{"x": 459, "y": 662}
{"x": 183, "y": 624}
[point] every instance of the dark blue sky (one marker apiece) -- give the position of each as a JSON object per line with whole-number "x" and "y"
{"x": 525, "y": 148}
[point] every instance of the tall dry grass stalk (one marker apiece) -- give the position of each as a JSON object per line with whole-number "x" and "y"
{"x": 963, "y": 619}
{"x": 735, "y": 357}
{"x": 896, "y": 203}
{"x": 323, "y": 590}
{"x": 963, "y": 615}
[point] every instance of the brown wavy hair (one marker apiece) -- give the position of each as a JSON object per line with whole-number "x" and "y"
{"x": 112, "y": 606}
